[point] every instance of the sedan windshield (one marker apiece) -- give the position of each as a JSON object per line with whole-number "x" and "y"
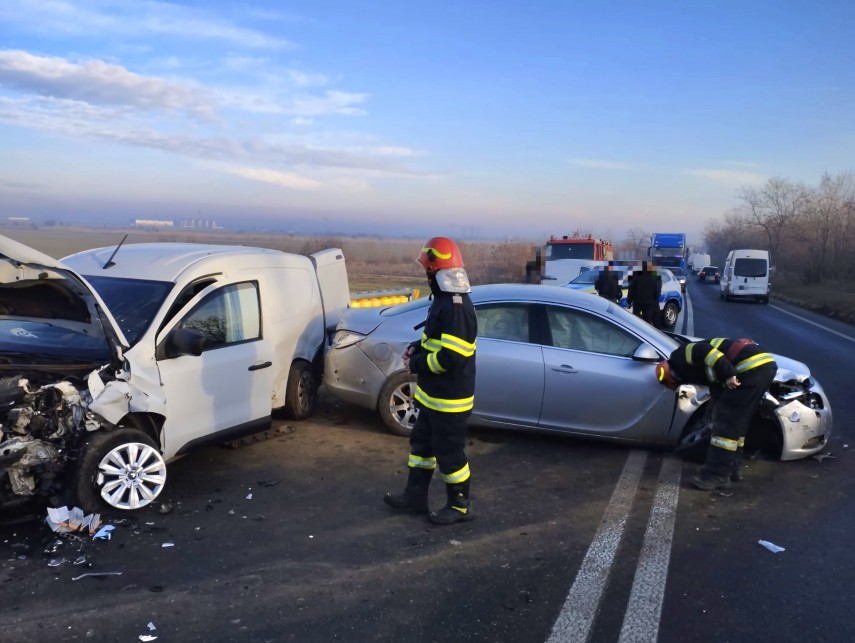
{"x": 133, "y": 302}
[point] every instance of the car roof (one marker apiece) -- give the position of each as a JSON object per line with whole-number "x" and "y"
{"x": 167, "y": 261}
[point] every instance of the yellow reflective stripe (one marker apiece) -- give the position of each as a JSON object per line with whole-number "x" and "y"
{"x": 461, "y": 475}
{"x": 724, "y": 443}
{"x": 437, "y": 253}
{"x": 434, "y": 365}
{"x": 717, "y": 342}
{"x": 712, "y": 357}
{"x": 446, "y": 406}
{"x": 741, "y": 442}
{"x": 711, "y": 374}
{"x": 418, "y": 462}
{"x": 689, "y": 354}
{"x": 458, "y": 345}
{"x": 432, "y": 345}
{"x": 754, "y": 361}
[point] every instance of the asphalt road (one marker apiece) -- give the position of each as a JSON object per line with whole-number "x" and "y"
{"x": 288, "y": 540}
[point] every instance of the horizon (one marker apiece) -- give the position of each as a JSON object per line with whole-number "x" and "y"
{"x": 463, "y": 120}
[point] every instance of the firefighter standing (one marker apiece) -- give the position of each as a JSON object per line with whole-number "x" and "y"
{"x": 444, "y": 361}
{"x": 738, "y": 373}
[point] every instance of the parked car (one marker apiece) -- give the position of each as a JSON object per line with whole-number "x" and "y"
{"x": 158, "y": 349}
{"x": 670, "y": 299}
{"x": 556, "y": 360}
{"x": 681, "y": 277}
{"x": 710, "y": 274}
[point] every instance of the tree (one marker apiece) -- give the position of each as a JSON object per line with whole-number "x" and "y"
{"x": 775, "y": 208}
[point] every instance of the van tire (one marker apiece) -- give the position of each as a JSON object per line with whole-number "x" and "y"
{"x": 301, "y": 392}
{"x": 124, "y": 446}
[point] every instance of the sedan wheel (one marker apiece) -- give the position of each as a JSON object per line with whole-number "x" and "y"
{"x": 396, "y": 406}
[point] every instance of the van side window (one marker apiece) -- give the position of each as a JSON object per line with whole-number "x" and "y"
{"x": 227, "y": 316}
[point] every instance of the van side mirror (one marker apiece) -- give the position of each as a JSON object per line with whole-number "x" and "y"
{"x": 185, "y": 341}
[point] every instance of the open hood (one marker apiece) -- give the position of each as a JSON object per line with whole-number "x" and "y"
{"x": 36, "y": 287}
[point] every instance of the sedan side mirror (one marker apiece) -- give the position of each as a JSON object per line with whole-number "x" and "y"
{"x": 646, "y": 353}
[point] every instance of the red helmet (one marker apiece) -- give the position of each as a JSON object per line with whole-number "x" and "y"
{"x": 665, "y": 376}
{"x": 440, "y": 253}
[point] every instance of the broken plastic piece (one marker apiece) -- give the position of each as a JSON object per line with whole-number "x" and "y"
{"x": 771, "y": 546}
{"x": 97, "y": 574}
{"x": 151, "y": 627}
{"x": 165, "y": 508}
{"x": 147, "y": 637}
{"x": 55, "y": 562}
{"x": 104, "y": 532}
{"x": 168, "y": 545}
{"x": 249, "y": 496}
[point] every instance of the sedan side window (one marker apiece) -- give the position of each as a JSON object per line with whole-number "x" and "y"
{"x": 583, "y": 332}
{"x": 227, "y": 316}
{"x": 503, "y": 321}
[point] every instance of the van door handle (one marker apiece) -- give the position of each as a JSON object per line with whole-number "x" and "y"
{"x": 258, "y": 367}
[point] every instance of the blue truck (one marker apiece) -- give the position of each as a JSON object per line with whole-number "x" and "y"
{"x": 668, "y": 249}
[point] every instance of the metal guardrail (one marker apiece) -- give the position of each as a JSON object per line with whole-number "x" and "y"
{"x": 372, "y": 298}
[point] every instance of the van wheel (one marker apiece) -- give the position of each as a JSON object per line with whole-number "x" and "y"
{"x": 120, "y": 469}
{"x": 764, "y": 300}
{"x": 396, "y": 406}
{"x": 301, "y": 393}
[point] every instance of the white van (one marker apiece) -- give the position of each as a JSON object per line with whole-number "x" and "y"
{"x": 746, "y": 274}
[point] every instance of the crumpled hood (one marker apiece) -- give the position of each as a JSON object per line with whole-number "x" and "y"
{"x": 36, "y": 286}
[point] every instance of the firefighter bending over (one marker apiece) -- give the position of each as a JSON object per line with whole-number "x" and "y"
{"x": 738, "y": 374}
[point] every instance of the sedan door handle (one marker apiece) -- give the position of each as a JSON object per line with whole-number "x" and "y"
{"x": 258, "y": 367}
{"x": 564, "y": 368}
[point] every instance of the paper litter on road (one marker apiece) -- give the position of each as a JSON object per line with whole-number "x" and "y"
{"x": 771, "y": 546}
{"x": 65, "y": 521}
{"x": 151, "y": 627}
{"x": 168, "y": 545}
{"x": 147, "y": 637}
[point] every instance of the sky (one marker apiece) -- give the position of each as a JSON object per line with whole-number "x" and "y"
{"x": 487, "y": 118}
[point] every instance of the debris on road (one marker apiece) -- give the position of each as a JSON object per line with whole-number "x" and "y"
{"x": 147, "y": 637}
{"x": 819, "y": 457}
{"x": 771, "y": 546}
{"x": 97, "y": 574}
{"x": 104, "y": 533}
{"x": 65, "y": 521}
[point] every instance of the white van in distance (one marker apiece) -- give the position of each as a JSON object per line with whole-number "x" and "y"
{"x": 746, "y": 274}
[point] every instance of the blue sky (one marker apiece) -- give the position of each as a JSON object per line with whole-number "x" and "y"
{"x": 503, "y": 117}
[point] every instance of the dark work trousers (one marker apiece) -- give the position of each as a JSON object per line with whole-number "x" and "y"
{"x": 443, "y": 436}
{"x": 731, "y": 417}
{"x": 649, "y": 313}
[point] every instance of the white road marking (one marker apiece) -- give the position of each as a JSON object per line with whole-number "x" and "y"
{"x": 690, "y": 316}
{"x": 641, "y": 620}
{"x": 576, "y": 618}
{"x": 813, "y": 323}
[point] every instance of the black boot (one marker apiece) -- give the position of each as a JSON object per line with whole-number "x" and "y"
{"x": 706, "y": 481}
{"x": 717, "y": 469}
{"x": 457, "y": 507}
{"x": 736, "y": 471}
{"x": 415, "y": 494}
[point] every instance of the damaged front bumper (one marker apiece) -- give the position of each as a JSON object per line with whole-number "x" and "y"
{"x": 804, "y": 415}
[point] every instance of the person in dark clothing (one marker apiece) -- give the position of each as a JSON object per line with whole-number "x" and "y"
{"x": 607, "y": 284}
{"x": 738, "y": 374}
{"x": 645, "y": 286}
{"x": 444, "y": 360}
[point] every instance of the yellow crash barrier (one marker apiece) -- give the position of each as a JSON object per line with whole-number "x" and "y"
{"x": 370, "y": 299}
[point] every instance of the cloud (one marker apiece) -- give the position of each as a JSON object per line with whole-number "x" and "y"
{"x": 332, "y": 102}
{"x": 727, "y": 177}
{"x": 130, "y": 19}
{"x": 601, "y": 164}
{"x": 282, "y": 179}
{"x": 398, "y": 151}
{"x": 98, "y": 82}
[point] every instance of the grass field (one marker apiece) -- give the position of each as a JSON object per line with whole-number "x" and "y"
{"x": 375, "y": 263}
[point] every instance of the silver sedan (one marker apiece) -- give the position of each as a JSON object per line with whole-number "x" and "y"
{"x": 551, "y": 359}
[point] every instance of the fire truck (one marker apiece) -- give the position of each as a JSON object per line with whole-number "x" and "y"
{"x": 568, "y": 256}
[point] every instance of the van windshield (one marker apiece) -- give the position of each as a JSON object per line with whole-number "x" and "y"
{"x": 750, "y": 267}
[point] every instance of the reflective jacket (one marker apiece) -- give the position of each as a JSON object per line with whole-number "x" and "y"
{"x": 715, "y": 360}
{"x": 445, "y": 357}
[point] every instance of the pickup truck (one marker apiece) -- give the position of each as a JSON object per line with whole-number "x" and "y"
{"x": 115, "y": 361}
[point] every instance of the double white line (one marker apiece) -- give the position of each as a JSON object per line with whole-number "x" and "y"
{"x": 641, "y": 621}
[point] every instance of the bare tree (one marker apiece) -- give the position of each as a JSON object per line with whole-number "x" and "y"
{"x": 774, "y": 208}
